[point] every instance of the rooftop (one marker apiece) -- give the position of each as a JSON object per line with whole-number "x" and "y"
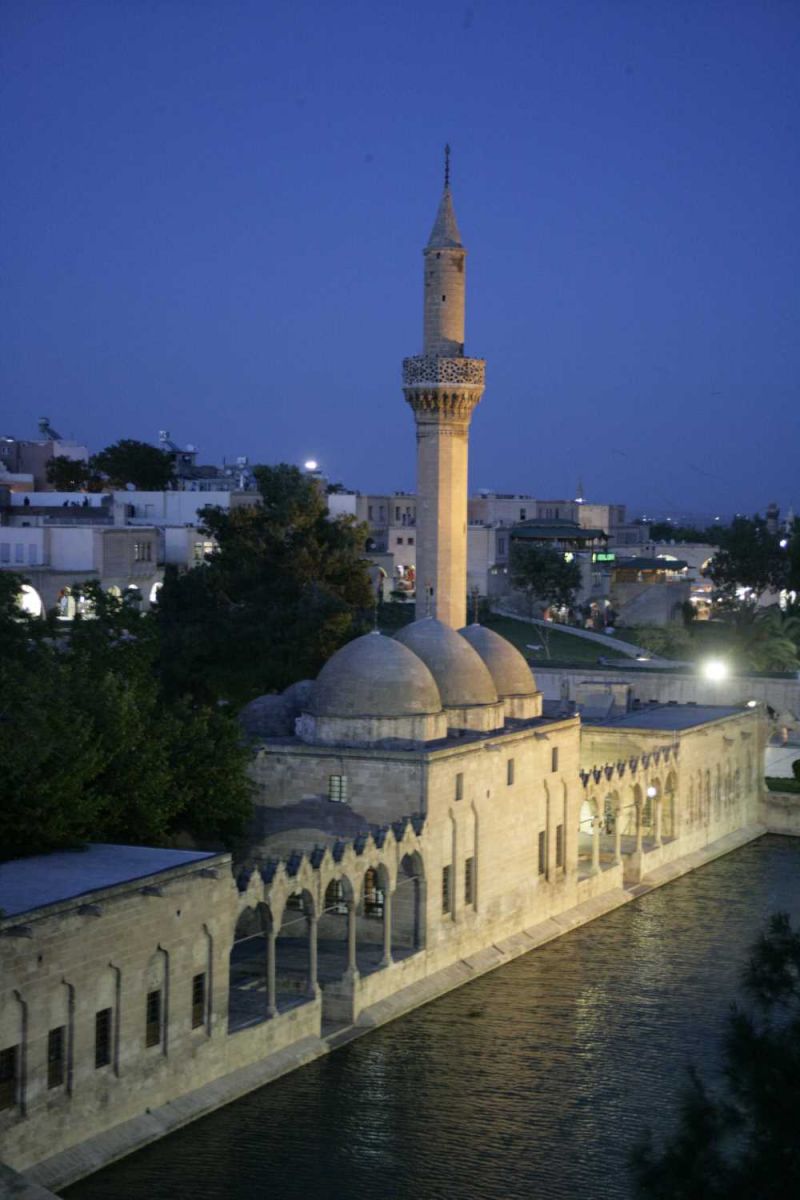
{"x": 30, "y": 883}
{"x": 671, "y": 717}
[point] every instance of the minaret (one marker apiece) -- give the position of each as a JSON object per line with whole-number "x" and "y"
{"x": 443, "y": 387}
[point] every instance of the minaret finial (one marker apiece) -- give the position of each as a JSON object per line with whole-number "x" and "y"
{"x": 447, "y": 167}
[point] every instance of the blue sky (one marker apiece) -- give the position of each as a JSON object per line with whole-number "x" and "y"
{"x": 213, "y": 218}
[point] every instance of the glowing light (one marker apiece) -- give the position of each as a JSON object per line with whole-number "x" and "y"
{"x": 311, "y": 465}
{"x": 715, "y": 668}
{"x": 652, "y": 792}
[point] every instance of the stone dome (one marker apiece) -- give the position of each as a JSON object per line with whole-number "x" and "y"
{"x": 511, "y": 674}
{"x": 267, "y": 717}
{"x": 461, "y": 675}
{"x": 375, "y": 676}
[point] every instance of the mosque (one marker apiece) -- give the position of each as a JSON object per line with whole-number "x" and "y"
{"x": 421, "y": 817}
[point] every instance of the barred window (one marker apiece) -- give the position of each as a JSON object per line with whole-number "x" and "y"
{"x": 337, "y": 789}
{"x": 447, "y": 905}
{"x": 55, "y": 1057}
{"x": 554, "y": 759}
{"x": 469, "y": 881}
{"x": 559, "y": 845}
{"x": 102, "y": 1038}
{"x": 460, "y": 785}
{"x": 510, "y": 771}
{"x": 198, "y": 1000}
{"x": 152, "y": 1028}
{"x": 542, "y": 852}
{"x": 9, "y": 1066}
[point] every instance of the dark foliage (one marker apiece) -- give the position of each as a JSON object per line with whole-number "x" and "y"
{"x": 740, "y": 1142}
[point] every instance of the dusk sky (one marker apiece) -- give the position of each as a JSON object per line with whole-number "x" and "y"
{"x": 213, "y": 215}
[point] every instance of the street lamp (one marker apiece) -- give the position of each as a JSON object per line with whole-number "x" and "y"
{"x": 715, "y": 669}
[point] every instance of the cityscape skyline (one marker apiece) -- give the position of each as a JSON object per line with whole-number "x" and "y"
{"x": 215, "y": 229}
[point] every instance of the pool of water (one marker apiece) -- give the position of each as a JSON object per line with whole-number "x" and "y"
{"x": 529, "y": 1084}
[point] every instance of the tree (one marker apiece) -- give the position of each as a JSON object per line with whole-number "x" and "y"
{"x": 666, "y": 531}
{"x": 286, "y": 587}
{"x": 139, "y": 463}
{"x": 68, "y": 474}
{"x": 771, "y": 640}
{"x": 740, "y": 1141}
{"x": 544, "y": 574}
{"x": 92, "y": 750}
{"x": 749, "y": 557}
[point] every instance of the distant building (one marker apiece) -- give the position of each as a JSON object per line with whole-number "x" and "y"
{"x": 19, "y": 456}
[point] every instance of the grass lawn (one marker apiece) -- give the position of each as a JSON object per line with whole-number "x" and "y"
{"x": 564, "y": 646}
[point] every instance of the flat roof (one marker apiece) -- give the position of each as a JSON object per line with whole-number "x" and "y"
{"x": 669, "y": 716}
{"x": 30, "y": 883}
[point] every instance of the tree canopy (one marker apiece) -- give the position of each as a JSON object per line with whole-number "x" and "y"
{"x": 285, "y": 588}
{"x": 139, "y": 463}
{"x": 68, "y": 474}
{"x": 91, "y": 748}
{"x": 739, "y": 1141}
{"x": 752, "y": 557}
{"x": 544, "y": 574}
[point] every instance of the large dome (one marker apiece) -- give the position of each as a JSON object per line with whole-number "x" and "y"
{"x": 511, "y": 674}
{"x": 460, "y": 673}
{"x": 375, "y": 676}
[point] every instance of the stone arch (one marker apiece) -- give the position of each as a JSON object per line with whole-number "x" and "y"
{"x": 589, "y": 810}
{"x": 338, "y": 899}
{"x": 408, "y": 906}
{"x": 295, "y": 926}
{"x": 373, "y": 919}
{"x": 248, "y": 999}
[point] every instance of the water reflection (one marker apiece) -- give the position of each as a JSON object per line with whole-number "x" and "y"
{"x": 529, "y": 1083}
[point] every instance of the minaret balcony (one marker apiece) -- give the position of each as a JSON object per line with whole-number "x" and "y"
{"x": 427, "y": 370}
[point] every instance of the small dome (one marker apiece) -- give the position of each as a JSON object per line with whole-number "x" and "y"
{"x": 460, "y": 673}
{"x": 375, "y": 676}
{"x": 511, "y": 674}
{"x": 267, "y": 716}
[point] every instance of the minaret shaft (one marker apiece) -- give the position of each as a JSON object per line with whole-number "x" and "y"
{"x": 443, "y": 387}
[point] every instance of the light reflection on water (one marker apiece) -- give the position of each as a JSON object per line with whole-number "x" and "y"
{"x": 529, "y": 1084}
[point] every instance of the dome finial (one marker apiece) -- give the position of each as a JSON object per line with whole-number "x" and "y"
{"x": 447, "y": 166}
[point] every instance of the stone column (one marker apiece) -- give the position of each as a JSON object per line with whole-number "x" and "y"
{"x": 638, "y": 806}
{"x": 617, "y": 836}
{"x": 352, "y": 965}
{"x": 313, "y": 981}
{"x": 387, "y": 928}
{"x": 272, "y": 1007}
{"x": 595, "y": 845}
{"x": 657, "y": 822}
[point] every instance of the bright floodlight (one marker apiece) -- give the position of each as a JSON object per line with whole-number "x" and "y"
{"x": 651, "y": 791}
{"x": 752, "y": 703}
{"x": 311, "y": 465}
{"x": 715, "y": 668}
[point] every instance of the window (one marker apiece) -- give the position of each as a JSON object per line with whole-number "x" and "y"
{"x": 337, "y": 789}
{"x": 542, "y": 852}
{"x": 32, "y": 554}
{"x": 102, "y": 1038}
{"x": 411, "y": 541}
{"x": 460, "y": 785}
{"x": 198, "y": 1000}
{"x": 55, "y": 1057}
{"x": 373, "y": 895}
{"x": 152, "y": 1027}
{"x": 509, "y": 772}
{"x": 19, "y": 552}
{"x": 443, "y": 299}
{"x": 8, "y": 1076}
{"x": 559, "y": 845}
{"x": 469, "y": 881}
{"x": 554, "y": 759}
{"x": 143, "y": 552}
{"x": 446, "y": 881}
{"x": 335, "y": 899}
{"x": 5, "y": 552}
{"x": 396, "y": 513}
{"x": 501, "y": 545}
{"x": 399, "y": 541}
{"x": 523, "y": 513}
{"x": 369, "y": 513}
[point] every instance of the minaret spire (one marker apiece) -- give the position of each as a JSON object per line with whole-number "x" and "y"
{"x": 443, "y": 387}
